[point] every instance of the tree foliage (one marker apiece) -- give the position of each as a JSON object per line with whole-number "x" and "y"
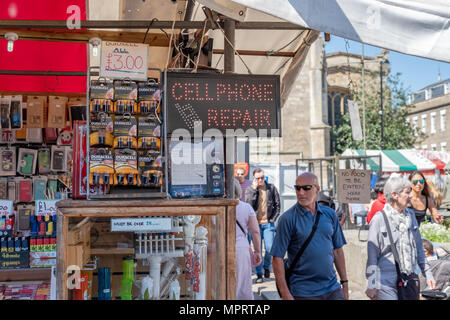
{"x": 398, "y": 133}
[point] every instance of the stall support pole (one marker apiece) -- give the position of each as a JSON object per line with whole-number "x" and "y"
{"x": 229, "y": 28}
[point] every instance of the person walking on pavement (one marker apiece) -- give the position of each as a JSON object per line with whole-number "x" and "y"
{"x": 245, "y": 220}
{"x": 265, "y": 200}
{"x": 313, "y": 277}
{"x": 398, "y": 223}
{"x": 244, "y": 183}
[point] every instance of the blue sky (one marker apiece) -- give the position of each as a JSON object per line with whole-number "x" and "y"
{"x": 416, "y": 73}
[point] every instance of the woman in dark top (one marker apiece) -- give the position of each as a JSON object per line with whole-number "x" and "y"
{"x": 421, "y": 200}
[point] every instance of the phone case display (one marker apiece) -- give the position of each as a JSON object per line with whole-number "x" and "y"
{"x": 26, "y": 164}
{"x": 59, "y": 159}
{"x": 5, "y": 111}
{"x": 125, "y": 137}
{"x": 44, "y": 159}
{"x": 16, "y": 112}
{"x": 40, "y": 187}
{"x": 7, "y": 161}
{"x": 25, "y": 190}
{"x": 34, "y": 135}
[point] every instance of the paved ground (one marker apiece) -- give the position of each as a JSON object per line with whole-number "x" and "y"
{"x": 268, "y": 291}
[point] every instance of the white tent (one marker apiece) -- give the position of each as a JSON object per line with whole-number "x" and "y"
{"x": 414, "y": 27}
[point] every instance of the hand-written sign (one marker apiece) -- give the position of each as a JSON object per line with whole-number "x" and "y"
{"x": 6, "y": 207}
{"x": 222, "y": 101}
{"x": 124, "y": 60}
{"x": 141, "y": 224}
{"x": 45, "y": 207}
{"x": 354, "y": 186}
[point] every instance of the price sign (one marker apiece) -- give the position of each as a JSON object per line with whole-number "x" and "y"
{"x": 124, "y": 60}
{"x": 141, "y": 224}
{"x": 6, "y": 207}
{"x": 45, "y": 207}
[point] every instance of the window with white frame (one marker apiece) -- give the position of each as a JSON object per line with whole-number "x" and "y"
{"x": 415, "y": 123}
{"x": 444, "y": 146}
{"x": 433, "y": 122}
{"x": 424, "y": 123}
{"x": 424, "y": 147}
{"x": 442, "y": 119}
{"x": 433, "y": 147}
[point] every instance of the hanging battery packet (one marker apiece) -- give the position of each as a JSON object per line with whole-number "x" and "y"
{"x": 150, "y": 168}
{"x": 36, "y": 112}
{"x": 125, "y": 96}
{"x": 101, "y": 166}
{"x": 125, "y": 131}
{"x": 8, "y": 161}
{"x": 5, "y": 110}
{"x": 125, "y": 167}
{"x": 101, "y": 133}
{"x": 101, "y": 96}
{"x": 16, "y": 113}
{"x": 149, "y": 95}
{"x": 149, "y": 133}
{"x": 57, "y": 112}
{"x": 26, "y": 164}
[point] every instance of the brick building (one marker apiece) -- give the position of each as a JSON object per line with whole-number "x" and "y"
{"x": 430, "y": 115}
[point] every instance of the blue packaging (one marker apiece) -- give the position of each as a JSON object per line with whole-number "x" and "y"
{"x": 104, "y": 283}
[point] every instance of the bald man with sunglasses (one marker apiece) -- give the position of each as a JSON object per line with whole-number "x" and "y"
{"x": 313, "y": 277}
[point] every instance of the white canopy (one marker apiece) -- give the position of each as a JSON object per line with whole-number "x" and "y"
{"x": 414, "y": 27}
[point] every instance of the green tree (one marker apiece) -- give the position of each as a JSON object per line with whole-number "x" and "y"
{"x": 398, "y": 133}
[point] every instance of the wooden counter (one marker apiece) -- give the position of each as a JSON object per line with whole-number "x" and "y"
{"x": 218, "y": 216}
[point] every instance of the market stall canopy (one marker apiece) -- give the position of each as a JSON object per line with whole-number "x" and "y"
{"x": 38, "y": 56}
{"x": 404, "y": 160}
{"x": 419, "y": 28}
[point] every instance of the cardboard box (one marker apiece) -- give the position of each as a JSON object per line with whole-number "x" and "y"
{"x": 57, "y": 112}
{"x": 36, "y": 112}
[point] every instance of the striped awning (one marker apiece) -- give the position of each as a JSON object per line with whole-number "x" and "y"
{"x": 405, "y": 160}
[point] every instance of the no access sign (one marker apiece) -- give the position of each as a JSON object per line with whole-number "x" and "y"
{"x": 354, "y": 186}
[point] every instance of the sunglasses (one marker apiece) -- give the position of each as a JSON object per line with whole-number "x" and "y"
{"x": 305, "y": 187}
{"x": 415, "y": 181}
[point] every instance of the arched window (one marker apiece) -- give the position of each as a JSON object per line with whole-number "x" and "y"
{"x": 337, "y": 107}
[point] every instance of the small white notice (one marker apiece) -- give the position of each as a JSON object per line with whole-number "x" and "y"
{"x": 45, "y": 207}
{"x": 354, "y": 186}
{"x": 141, "y": 224}
{"x": 124, "y": 60}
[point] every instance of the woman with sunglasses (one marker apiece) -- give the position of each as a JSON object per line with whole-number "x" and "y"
{"x": 421, "y": 200}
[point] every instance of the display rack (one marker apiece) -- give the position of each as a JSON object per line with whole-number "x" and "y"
{"x": 131, "y": 192}
{"x": 217, "y": 216}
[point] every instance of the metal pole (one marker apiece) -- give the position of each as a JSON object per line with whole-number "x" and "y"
{"x": 364, "y": 101}
{"x": 381, "y": 105}
{"x": 229, "y": 28}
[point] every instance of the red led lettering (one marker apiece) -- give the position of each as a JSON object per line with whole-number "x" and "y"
{"x": 175, "y": 85}
{"x": 256, "y": 93}
{"x": 268, "y": 92}
{"x": 244, "y": 94}
{"x": 212, "y": 118}
{"x": 207, "y": 93}
{"x": 220, "y": 91}
{"x": 187, "y": 91}
{"x": 224, "y": 118}
{"x": 233, "y": 92}
{"x": 264, "y": 117}
{"x": 247, "y": 118}
{"x": 236, "y": 115}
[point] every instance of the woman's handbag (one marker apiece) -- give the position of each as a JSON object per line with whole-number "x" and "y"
{"x": 408, "y": 286}
{"x": 252, "y": 254}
